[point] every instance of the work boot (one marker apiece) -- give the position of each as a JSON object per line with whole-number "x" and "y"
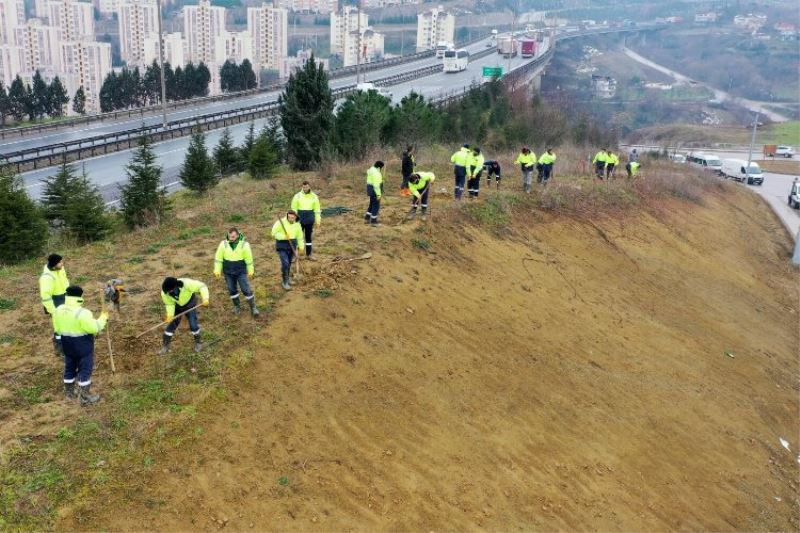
{"x": 58, "y": 347}
{"x": 237, "y": 308}
{"x": 198, "y": 343}
{"x": 412, "y": 213}
{"x": 85, "y": 395}
{"x": 424, "y": 213}
{"x": 310, "y": 257}
{"x": 285, "y": 283}
{"x": 69, "y": 391}
{"x": 253, "y": 309}
{"x": 165, "y": 340}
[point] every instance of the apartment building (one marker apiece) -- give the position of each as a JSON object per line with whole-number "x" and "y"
{"x": 322, "y": 7}
{"x": 9, "y": 63}
{"x": 290, "y": 64}
{"x": 75, "y": 20}
{"x": 12, "y": 15}
{"x": 239, "y": 46}
{"x": 86, "y": 64}
{"x": 39, "y": 49}
{"x": 433, "y": 26}
{"x": 269, "y": 28}
{"x": 342, "y": 24}
{"x": 204, "y": 32}
{"x": 371, "y": 47}
{"x": 174, "y": 49}
{"x": 138, "y": 20}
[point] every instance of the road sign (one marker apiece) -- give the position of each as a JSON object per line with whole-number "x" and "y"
{"x": 492, "y": 72}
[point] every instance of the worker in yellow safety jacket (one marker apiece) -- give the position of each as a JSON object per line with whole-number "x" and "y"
{"x": 461, "y": 161}
{"x": 612, "y": 160}
{"x": 374, "y": 191}
{"x": 475, "y": 173}
{"x": 599, "y": 162}
{"x": 633, "y": 168}
{"x": 420, "y": 184}
{"x": 526, "y": 161}
{"x": 179, "y": 296}
{"x": 53, "y": 283}
{"x": 288, "y": 235}
{"x": 234, "y": 258}
{"x": 77, "y": 327}
{"x": 306, "y": 204}
{"x": 546, "y": 161}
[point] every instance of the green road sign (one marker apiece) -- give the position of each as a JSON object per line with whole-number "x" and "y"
{"x": 492, "y": 72}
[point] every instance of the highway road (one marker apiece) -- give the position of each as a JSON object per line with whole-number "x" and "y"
{"x": 100, "y": 128}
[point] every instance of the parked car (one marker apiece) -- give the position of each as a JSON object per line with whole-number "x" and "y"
{"x": 794, "y": 195}
{"x": 737, "y": 169}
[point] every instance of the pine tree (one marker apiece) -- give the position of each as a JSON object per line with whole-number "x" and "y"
{"x": 203, "y": 79}
{"x": 273, "y": 131}
{"x": 263, "y": 162}
{"x": 248, "y": 75}
{"x": 57, "y": 98}
{"x": 360, "y": 123}
{"x": 5, "y": 104}
{"x": 143, "y": 201}
{"x": 40, "y": 103}
{"x": 108, "y": 92}
{"x": 225, "y": 156}
{"x": 17, "y": 98}
{"x": 23, "y": 229}
{"x": 306, "y": 111}
{"x": 85, "y": 216}
{"x": 198, "y": 173}
{"x": 56, "y": 194}
{"x": 79, "y": 101}
{"x": 247, "y": 147}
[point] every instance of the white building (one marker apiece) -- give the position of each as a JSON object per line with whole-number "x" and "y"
{"x": 106, "y": 7}
{"x": 342, "y": 24}
{"x": 433, "y": 26}
{"x": 39, "y": 48}
{"x": 10, "y": 58}
{"x": 204, "y": 31}
{"x": 290, "y": 64}
{"x": 74, "y": 19}
{"x": 174, "y": 49}
{"x": 269, "y": 29}
{"x": 371, "y": 43}
{"x": 86, "y": 64}
{"x": 238, "y": 46}
{"x": 308, "y": 6}
{"x": 12, "y": 15}
{"x": 138, "y": 20}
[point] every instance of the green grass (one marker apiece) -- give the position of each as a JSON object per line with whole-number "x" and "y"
{"x": 324, "y": 293}
{"x": 7, "y": 304}
{"x": 195, "y": 232}
{"x": 422, "y": 244}
{"x": 493, "y": 213}
{"x": 782, "y": 133}
{"x": 32, "y": 394}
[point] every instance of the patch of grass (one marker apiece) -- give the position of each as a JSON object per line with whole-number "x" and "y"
{"x": 324, "y": 293}
{"x": 136, "y": 259}
{"x": 7, "y": 304}
{"x": 422, "y": 244}
{"x": 236, "y": 218}
{"x": 154, "y": 248}
{"x": 783, "y": 133}
{"x": 494, "y": 212}
{"x": 32, "y": 394}
{"x": 146, "y": 395}
{"x": 195, "y": 232}
{"x": 7, "y": 339}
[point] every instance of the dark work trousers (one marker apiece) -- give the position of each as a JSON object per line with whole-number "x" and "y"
{"x": 547, "y": 170}
{"x": 78, "y": 366}
{"x": 474, "y": 185}
{"x": 609, "y": 170}
{"x": 308, "y": 233}
{"x": 58, "y": 300}
{"x": 374, "y": 206}
{"x": 238, "y": 281}
{"x": 599, "y": 167}
{"x": 628, "y": 170}
{"x": 422, "y": 200}
{"x": 191, "y": 316}
{"x": 404, "y": 185}
{"x": 461, "y": 180}
{"x": 286, "y": 254}
{"x": 490, "y": 175}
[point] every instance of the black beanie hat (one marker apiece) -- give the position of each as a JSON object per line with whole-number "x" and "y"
{"x": 74, "y": 290}
{"x": 53, "y": 260}
{"x": 170, "y": 284}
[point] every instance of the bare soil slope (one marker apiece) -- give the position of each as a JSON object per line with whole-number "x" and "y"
{"x": 561, "y": 376}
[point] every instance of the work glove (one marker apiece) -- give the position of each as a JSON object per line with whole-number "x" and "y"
{"x": 168, "y": 318}
{"x": 217, "y": 275}
{"x": 104, "y": 315}
{"x": 205, "y": 303}
{"x": 252, "y": 273}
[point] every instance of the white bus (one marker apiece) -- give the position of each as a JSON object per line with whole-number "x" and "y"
{"x": 456, "y": 60}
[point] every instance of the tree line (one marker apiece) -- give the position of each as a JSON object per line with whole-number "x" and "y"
{"x": 233, "y": 77}
{"x": 34, "y": 101}
{"x": 130, "y": 88}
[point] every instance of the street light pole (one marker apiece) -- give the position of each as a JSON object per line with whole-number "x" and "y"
{"x": 358, "y": 46}
{"x": 161, "y": 55}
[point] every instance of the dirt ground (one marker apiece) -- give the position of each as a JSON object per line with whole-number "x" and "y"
{"x": 624, "y": 375}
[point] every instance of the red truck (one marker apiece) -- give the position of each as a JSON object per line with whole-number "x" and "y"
{"x": 528, "y": 47}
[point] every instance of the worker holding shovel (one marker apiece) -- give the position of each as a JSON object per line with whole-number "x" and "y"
{"x": 419, "y": 184}
{"x": 288, "y": 235}
{"x": 179, "y": 297}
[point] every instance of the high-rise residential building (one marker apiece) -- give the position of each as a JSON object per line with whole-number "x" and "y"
{"x": 239, "y": 46}
{"x": 40, "y": 10}
{"x": 86, "y": 64}
{"x": 174, "y": 49}
{"x": 290, "y": 64}
{"x": 204, "y": 29}
{"x": 138, "y": 20}
{"x": 434, "y": 26}
{"x": 268, "y": 27}
{"x": 10, "y": 59}
{"x": 371, "y": 44}
{"x": 107, "y": 7}
{"x": 39, "y": 47}
{"x": 308, "y": 6}
{"x": 75, "y": 20}
{"x": 12, "y": 15}
{"x": 342, "y": 24}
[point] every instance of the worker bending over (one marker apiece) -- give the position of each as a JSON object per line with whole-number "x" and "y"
{"x": 374, "y": 191}
{"x": 632, "y": 168}
{"x": 526, "y": 161}
{"x": 599, "y": 162}
{"x": 492, "y": 171}
{"x": 420, "y": 184}
{"x": 179, "y": 296}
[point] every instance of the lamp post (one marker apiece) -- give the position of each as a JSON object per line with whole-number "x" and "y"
{"x": 161, "y": 55}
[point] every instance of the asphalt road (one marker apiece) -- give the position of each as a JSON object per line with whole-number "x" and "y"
{"x": 100, "y": 128}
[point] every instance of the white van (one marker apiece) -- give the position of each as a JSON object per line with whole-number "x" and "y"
{"x": 794, "y": 195}
{"x": 706, "y": 161}
{"x": 737, "y": 169}
{"x": 369, "y": 86}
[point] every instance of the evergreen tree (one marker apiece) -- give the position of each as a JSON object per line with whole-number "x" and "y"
{"x": 180, "y": 84}
{"x": 306, "y": 111}
{"x": 189, "y": 81}
{"x": 5, "y": 104}
{"x": 57, "y": 98}
{"x": 414, "y": 121}
{"x": 152, "y": 83}
{"x": 247, "y": 147}
{"x": 198, "y": 173}
{"x": 143, "y": 201}
{"x": 85, "y": 216}
{"x": 275, "y": 135}
{"x": 40, "y": 101}
{"x": 171, "y": 87}
{"x": 360, "y": 123}
{"x": 203, "y": 79}
{"x": 31, "y": 105}
{"x": 17, "y": 96}
{"x": 23, "y": 229}
{"x": 108, "y": 92}
{"x": 56, "y": 194}
{"x": 79, "y": 101}
{"x": 225, "y": 156}
{"x": 263, "y": 162}
{"x": 227, "y": 76}
{"x": 247, "y": 76}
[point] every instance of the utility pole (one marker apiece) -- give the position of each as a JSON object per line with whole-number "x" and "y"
{"x": 161, "y": 54}
{"x": 358, "y": 47}
{"x": 750, "y": 152}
